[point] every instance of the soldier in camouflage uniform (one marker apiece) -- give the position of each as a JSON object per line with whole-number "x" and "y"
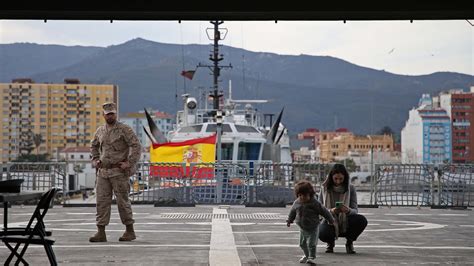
{"x": 115, "y": 152}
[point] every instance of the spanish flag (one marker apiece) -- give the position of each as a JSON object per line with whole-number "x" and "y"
{"x": 171, "y": 157}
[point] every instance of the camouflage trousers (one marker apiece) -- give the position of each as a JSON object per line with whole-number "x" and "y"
{"x": 118, "y": 185}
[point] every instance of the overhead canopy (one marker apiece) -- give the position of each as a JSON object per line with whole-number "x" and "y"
{"x": 239, "y": 10}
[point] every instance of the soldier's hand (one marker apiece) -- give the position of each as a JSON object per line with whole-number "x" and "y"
{"x": 124, "y": 165}
{"x": 97, "y": 163}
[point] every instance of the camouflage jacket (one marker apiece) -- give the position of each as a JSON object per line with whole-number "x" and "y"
{"x": 116, "y": 144}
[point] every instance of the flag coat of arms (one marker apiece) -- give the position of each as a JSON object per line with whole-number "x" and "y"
{"x": 175, "y": 158}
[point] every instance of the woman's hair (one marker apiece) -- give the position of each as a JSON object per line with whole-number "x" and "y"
{"x": 304, "y": 187}
{"x": 338, "y": 169}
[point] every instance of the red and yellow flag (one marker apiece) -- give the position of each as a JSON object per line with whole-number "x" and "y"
{"x": 172, "y": 155}
{"x": 188, "y": 74}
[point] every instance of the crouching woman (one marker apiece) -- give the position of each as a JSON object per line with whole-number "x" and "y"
{"x": 340, "y": 197}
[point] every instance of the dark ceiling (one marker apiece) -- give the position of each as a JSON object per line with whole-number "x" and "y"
{"x": 240, "y": 10}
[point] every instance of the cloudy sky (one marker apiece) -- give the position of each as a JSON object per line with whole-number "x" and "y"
{"x": 400, "y": 47}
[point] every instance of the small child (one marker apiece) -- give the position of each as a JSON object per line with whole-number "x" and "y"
{"x": 306, "y": 210}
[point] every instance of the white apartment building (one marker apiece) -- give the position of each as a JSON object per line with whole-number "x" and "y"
{"x": 426, "y": 137}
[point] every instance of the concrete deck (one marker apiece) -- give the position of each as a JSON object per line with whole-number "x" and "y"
{"x": 203, "y": 236}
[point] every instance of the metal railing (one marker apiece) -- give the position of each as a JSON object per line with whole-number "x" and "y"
{"x": 449, "y": 185}
{"x": 37, "y": 176}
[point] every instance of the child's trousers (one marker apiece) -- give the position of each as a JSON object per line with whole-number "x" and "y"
{"x": 308, "y": 242}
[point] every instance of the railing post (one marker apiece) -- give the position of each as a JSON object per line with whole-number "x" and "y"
{"x": 219, "y": 181}
{"x": 188, "y": 175}
{"x": 1, "y": 172}
{"x": 440, "y": 186}
{"x": 251, "y": 182}
{"x": 8, "y": 171}
{"x": 372, "y": 184}
{"x": 373, "y": 187}
{"x": 435, "y": 186}
{"x": 469, "y": 185}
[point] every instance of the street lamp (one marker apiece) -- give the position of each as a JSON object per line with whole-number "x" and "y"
{"x": 219, "y": 156}
{"x": 219, "y": 134}
{"x": 371, "y": 155}
{"x": 372, "y": 179}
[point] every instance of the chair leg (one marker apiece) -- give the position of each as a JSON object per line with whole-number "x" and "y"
{"x": 20, "y": 256}
{"x": 22, "y": 260}
{"x": 14, "y": 253}
{"x": 23, "y": 250}
{"x": 50, "y": 253}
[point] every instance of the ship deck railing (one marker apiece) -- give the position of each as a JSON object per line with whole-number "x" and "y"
{"x": 265, "y": 182}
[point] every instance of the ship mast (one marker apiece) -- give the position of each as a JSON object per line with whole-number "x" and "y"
{"x": 215, "y": 57}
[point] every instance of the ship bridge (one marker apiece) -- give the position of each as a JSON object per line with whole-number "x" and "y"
{"x": 239, "y": 142}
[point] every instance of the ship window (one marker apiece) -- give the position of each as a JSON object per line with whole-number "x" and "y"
{"x": 227, "y": 150}
{"x": 248, "y": 151}
{"x": 213, "y": 128}
{"x": 196, "y": 128}
{"x": 245, "y": 129}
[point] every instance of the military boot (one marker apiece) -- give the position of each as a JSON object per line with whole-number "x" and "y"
{"x": 129, "y": 234}
{"x": 100, "y": 235}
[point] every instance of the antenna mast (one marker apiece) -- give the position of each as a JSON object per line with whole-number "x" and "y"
{"x": 215, "y": 57}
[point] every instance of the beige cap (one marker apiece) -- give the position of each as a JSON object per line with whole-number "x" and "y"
{"x": 109, "y": 108}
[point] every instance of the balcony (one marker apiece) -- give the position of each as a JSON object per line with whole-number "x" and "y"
{"x": 461, "y": 124}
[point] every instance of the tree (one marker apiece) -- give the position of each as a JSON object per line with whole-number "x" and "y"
{"x": 37, "y": 140}
{"x": 26, "y": 143}
{"x": 386, "y": 130}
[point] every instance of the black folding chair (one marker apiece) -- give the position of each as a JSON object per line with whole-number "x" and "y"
{"x": 32, "y": 234}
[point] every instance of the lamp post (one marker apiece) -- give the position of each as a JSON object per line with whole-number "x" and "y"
{"x": 371, "y": 155}
{"x": 219, "y": 134}
{"x": 372, "y": 179}
{"x": 219, "y": 156}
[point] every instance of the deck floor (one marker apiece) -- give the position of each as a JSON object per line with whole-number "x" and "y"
{"x": 202, "y": 236}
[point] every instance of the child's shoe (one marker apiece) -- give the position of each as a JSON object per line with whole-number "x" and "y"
{"x": 311, "y": 260}
{"x": 303, "y": 259}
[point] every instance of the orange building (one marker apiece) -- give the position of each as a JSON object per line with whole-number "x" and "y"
{"x": 340, "y": 146}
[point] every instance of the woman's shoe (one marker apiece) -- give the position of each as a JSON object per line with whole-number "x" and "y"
{"x": 350, "y": 247}
{"x": 330, "y": 247}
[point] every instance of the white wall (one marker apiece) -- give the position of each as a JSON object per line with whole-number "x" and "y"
{"x": 412, "y": 138}
{"x": 445, "y": 103}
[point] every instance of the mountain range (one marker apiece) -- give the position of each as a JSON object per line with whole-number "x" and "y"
{"x": 317, "y": 91}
